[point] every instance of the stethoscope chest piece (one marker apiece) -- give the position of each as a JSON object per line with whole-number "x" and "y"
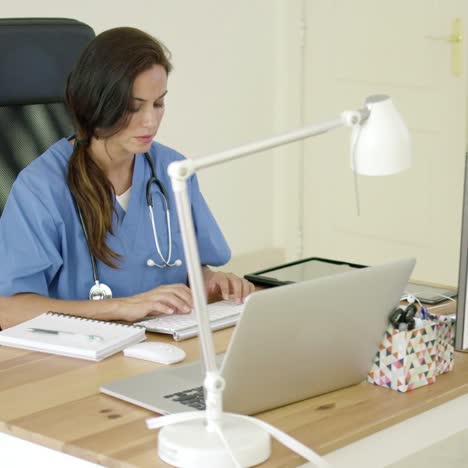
{"x": 99, "y": 292}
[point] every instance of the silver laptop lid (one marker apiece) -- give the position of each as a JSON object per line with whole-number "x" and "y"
{"x": 308, "y": 338}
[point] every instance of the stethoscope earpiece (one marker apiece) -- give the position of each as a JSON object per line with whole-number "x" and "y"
{"x": 151, "y": 263}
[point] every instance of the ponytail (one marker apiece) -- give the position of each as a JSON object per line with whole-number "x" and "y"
{"x": 94, "y": 195}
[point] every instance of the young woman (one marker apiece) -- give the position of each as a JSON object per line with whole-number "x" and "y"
{"x": 78, "y": 223}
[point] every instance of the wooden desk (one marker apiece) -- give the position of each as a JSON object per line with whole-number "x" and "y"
{"x": 55, "y": 401}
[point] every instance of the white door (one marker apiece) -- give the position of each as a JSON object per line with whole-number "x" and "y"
{"x": 362, "y": 47}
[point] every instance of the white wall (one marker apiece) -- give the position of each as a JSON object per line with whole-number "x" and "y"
{"x": 234, "y": 81}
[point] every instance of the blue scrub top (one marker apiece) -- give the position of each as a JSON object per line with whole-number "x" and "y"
{"x": 43, "y": 248}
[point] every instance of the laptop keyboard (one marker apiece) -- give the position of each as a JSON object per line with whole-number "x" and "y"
{"x": 193, "y": 397}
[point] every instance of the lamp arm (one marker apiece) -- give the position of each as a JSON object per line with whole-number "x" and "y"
{"x": 195, "y": 275}
{"x": 184, "y": 169}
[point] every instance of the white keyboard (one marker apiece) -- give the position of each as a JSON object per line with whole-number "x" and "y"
{"x": 182, "y": 326}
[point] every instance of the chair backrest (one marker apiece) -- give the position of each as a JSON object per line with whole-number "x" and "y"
{"x": 36, "y": 57}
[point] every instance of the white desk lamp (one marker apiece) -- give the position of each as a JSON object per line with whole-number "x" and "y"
{"x": 213, "y": 439}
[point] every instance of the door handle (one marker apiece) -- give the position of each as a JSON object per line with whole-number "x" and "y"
{"x": 455, "y": 39}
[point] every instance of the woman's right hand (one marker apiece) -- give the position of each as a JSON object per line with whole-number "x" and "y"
{"x": 166, "y": 299}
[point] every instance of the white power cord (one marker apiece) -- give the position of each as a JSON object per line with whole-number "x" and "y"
{"x": 225, "y": 442}
{"x": 413, "y": 297}
{"x": 285, "y": 439}
{"x": 357, "y": 134}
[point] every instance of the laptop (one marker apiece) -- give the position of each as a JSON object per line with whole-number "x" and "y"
{"x": 291, "y": 343}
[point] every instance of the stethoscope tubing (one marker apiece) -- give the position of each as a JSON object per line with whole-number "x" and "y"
{"x": 149, "y": 200}
{"x": 100, "y": 290}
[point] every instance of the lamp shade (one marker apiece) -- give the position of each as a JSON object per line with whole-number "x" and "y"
{"x": 381, "y": 144}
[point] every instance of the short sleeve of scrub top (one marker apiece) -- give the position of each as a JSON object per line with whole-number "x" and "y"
{"x": 29, "y": 242}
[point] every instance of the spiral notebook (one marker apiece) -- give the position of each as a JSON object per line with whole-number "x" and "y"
{"x": 72, "y": 336}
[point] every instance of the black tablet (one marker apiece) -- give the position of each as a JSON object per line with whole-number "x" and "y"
{"x": 301, "y": 270}
{"x": 317, "y": 267}
{"x": 429, "y": 294}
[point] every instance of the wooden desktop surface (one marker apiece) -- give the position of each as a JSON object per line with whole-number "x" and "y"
{"x": 55, "y": 401}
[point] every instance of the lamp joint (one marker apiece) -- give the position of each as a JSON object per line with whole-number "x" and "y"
{"x": 352, "y": 118}
{"x": 181, "y": 170}
{"x": 214, "y": 386}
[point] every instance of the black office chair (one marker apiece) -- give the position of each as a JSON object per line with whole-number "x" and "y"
{"x": 36, "y": 57}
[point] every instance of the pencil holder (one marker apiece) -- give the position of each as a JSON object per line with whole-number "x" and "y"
{"x": 407, "y": 360}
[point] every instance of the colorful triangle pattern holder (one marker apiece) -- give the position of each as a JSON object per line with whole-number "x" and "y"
{"x": 410, "y": 359}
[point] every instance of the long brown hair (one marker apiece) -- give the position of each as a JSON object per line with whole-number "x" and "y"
{"x": 98, "y": 95}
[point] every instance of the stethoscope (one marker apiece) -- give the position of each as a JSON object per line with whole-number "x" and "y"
{"x": 100, "y": 291}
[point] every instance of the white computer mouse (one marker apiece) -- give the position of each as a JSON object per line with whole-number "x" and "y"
{"x": 156, "y": 351}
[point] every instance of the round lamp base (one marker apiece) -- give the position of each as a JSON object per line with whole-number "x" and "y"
{"x": 189, "y": 444}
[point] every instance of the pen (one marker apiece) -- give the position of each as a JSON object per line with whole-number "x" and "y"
{"x": 48, "y": 331}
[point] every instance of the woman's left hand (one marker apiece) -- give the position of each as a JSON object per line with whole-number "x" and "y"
{"x": 226, "y": 285}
